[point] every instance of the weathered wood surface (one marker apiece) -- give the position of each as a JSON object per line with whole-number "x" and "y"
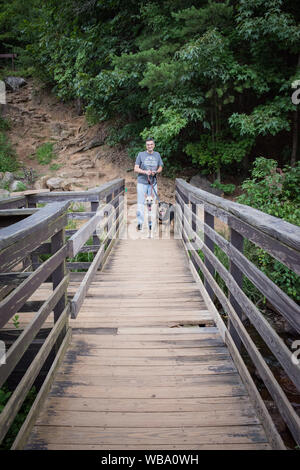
{"x": 139, "y": 383}
{"x": 285, "y": 232}
{"x": 273, "y": 340}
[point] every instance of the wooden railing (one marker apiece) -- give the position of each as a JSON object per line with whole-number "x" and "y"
{"x": 26, "y": 233}
{"x": 195, "y": 214}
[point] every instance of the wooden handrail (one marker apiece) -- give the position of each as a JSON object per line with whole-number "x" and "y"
{"x": 42, "y": 231}
{"x": 284, "y": 245}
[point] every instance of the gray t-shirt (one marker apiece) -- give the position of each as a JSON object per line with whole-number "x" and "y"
{"x": 148, "y": 161}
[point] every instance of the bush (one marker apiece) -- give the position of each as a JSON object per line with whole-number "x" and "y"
{"x": 8, "y": 161}
{"x": 276, "y": 192}
{"x": 45, "y": 153}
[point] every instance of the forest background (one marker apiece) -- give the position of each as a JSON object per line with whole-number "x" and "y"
{"x": 213, "y": 82}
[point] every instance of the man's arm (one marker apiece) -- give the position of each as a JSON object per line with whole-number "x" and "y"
{"x": 137, "y": 169}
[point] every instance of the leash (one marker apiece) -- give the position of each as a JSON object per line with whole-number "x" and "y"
{"x": 151, "y": 182}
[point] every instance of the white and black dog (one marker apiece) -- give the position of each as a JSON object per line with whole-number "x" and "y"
{"x": 165, "y": 212}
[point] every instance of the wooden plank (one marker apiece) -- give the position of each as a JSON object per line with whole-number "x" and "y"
{"x": 272, "y": 385}
{"x": 17, "y": 398}
{"x": 100, "y": 257}
{"x": 180, "y": 354}
{"x": 17, "y": 350}
{"x": 278, "y": 229}
{"x": 86, "y": 447}
{"x": 30, "y": 420}
{"x": 164, "y": 331}
{"x": 41, "y": 218}
{"x": 183, "y": 436}
{"x": 93, "y": 194}
{"x": 272, "y": 339}
{"x": 82, "y": 235}
{"x": 227, "y": 367}
{"x": 122, "y": 358}
{"x": 154, "y": 420}
{"x": 23, "y": 247}
{"x": 286, "y": 306}
{"x": 151, "y": 405}
{"x": 100, "y": 341}
{"x": 14, "y": 301}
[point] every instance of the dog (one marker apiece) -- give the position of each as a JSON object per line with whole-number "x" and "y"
{"x": 165, "y": 212}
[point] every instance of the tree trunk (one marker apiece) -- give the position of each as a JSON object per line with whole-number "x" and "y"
{"x": 295, "y": 138}
{"x": 295, "y": 129}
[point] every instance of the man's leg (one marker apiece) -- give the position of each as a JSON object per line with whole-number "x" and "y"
{"x": 141, "y": 192}
{"x": 153, "y": 209}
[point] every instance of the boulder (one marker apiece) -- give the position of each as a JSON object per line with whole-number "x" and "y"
{"x": 87, "y": 164}
{"x": 14, "y": 185}
{"x": 68, "y": 184}
{"x": 54, "y": 183}
{"x": 14, "y": 83}
{"x": 8, "y": 177}
{"x": 79, "y": 160}
{"x": 76, "y": 173}
{"x": 202, "y": 183}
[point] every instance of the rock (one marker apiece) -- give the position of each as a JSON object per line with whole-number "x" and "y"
{"x": 14, "y": 185}
{"x": 79, "y": 161}
{"x": 43, "y": 181}
{"x": 87, "y": 164}
{"x": 68, "y": 185}
{"x": 7, "y": 178}
{"x": 57, "y": 128}
{"x": 202, "y": 183}
{"x": 76, "y": 173}
{"x": 1, "y": 175}
{"x": 54, "y": 183}
{"x": 4, "y": 194}
{"x": 14, "y": 83}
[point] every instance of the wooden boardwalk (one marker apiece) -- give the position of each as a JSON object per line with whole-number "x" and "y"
{"x": 147, "y": 367}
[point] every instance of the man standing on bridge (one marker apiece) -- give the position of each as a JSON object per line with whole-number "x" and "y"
{"x": 147, "y": 165}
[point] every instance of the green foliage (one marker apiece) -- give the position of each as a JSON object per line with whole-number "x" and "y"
{"x": 206, "y": 79}
{"x": 8, "y": 161}
{"x": 45, "y": 153}
{"x": 276, "y": 192}
{"x": 226, "y": 188}
{"x": 16, "y": 321}
{"x": 5, "y": 125}
{"x": 5, "y": 394}
{"x": 55, "y": 167}
{"x": 209, "y": 154}
{"x": 20, "y": 187}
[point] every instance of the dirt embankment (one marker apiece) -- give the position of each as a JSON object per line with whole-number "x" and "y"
{"x": 83, "y": 160}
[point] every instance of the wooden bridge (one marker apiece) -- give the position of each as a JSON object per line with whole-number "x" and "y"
{"x": 135, "y": 353}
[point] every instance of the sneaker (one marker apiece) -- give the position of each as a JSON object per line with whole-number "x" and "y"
{"x": 139, "y": 226}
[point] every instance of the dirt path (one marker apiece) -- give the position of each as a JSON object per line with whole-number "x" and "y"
{"x": 83, "y": 160}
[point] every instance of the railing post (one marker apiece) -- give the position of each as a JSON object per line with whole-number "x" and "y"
{"x": 237, "y": 241}
{"x": 94, "y": 208}
{"x": 209, "y": 220}
{"x": 32, "y": 259}
{"x": 57, "y": 241}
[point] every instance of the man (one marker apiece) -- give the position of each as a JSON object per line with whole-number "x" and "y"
{"x": 147, "y": 165}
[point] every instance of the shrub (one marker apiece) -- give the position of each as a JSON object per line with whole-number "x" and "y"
{"x": 8, "y": 161}
{"x": 45, "y": 153}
